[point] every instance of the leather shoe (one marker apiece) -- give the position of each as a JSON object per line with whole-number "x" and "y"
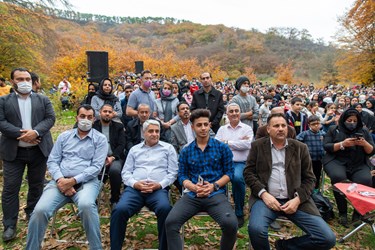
{"x": 279, "y": 245}
{"x": 241, "y": 221}
{"x": 343, "y": 219}
{"x": 9, "y": 233}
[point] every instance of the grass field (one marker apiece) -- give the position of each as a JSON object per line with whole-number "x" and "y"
{"x": 142, "y": 229}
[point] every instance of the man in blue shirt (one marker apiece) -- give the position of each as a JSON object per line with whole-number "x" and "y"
{"x": 142, "y": 95}
{"x": 151, "y": 166}
{"x": 205, "y": 167}
{"x": 74, "y": 163}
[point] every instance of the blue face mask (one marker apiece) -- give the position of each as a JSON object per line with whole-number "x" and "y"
{"x": 350, "y": 125}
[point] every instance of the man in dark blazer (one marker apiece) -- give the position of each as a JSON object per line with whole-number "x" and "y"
{"x": 209, "y": 98}
{"x": 179, "y": 137}
{"x": 134, "y": 132}
{"x": 25, "y": 122}
{"x": 115, "y": 133}
{"x": 279, "y": 174}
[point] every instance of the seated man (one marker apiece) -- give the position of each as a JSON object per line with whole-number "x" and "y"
{"x": 151, "y": 166}
{"x": 74, "y": 163}
{"x": 115, "y": 134}
{"x": 211, "y": 160}
{"x": 238, "y": 136}
{"x": 134, "y": 133}
{"x": 182, "y": 133}
{"x": 279, "y": 174}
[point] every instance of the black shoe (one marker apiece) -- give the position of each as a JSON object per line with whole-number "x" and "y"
{"x": 356, "y": 219}
{"x": 279, "y": 245}
{"x": 275, "y": 226}
{"x": 343, "y": 219}
{"x": 241, "y": 221}
{"x": 9, "y": 233}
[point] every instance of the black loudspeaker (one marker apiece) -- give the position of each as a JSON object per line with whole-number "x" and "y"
{"x": 97, "y": 66}
{"x": 138, "y": 67}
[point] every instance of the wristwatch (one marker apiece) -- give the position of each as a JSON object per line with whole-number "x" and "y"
{"x": 216, "y": 186}
{"x": 342, "y": 146}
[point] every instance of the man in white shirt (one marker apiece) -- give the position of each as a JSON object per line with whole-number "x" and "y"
{"x": 238, "y": 136}
{"x": 151, "y": 166}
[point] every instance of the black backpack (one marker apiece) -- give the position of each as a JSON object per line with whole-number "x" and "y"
{"x": 324, "y": 206}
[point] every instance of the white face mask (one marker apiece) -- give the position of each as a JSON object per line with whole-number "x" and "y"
{"x": 245, "y": 89}
{"x": 268, "y": 103}
{"x": 24, "y": 87}
{"x": 84, "y": 124}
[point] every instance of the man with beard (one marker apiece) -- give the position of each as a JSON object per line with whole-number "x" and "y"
{"x": 205, "y": 167}
{"x": 74, "y": 163}
{"x": 182, "y": 133}
{"x": 25, "y": 122}
{"x": 115, "y": 134}
{"x": 279, "y": 174}
{"x": 209, "y": 98}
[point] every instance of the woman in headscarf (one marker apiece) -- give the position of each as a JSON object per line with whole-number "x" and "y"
{"x": 370, "y": 105}
{"x": 368, "y": 120}
{"x": 91, "y": 92}
{"x": 348, "y": 148}
{"x": 166, "y": 107}
{"x": 104, "y": 96}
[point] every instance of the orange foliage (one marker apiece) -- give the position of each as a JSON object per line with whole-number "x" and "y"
{"x": 284, "y": 73}
{"x": 358, "y": 61}
{"x": 73, "y": 65}
{"x": 250, "y": 73}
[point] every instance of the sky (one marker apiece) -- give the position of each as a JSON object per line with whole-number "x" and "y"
{"x": 319, "y": 17}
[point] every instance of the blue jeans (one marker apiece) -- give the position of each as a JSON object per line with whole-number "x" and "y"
{"x": 129, "y": 204}
{"x": 238, "y": 188}
{"x": 318, "y": 234}
{"x": 52, "y": 200}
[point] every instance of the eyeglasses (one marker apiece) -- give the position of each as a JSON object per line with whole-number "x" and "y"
{"x": 204, "y": 78}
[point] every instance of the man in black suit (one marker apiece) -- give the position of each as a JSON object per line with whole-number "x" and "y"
{"x": 115, "y": 133}
{"x": 209, "y": 98}
{"x": 25, "y": 122}
{"x": 134, "y": 131}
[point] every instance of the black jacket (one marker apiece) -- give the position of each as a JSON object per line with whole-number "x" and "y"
{"x": 133, "y": 133}
{"x": 117, "y": 138}
{"x": 215, "y": 105}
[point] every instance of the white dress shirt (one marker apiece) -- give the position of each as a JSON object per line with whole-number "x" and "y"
{"x": 144, "y": 163}
{"x": 234, "y": 137}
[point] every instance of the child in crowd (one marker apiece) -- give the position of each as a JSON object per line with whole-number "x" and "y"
{"x": 329, "y": 117}
{"x": 295, "y": 117}
{"x": 313, "y": 138}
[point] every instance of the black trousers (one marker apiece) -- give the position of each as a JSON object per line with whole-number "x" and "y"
{"x": 338, "y": 172}
{"x": 13, "y": 172}
{"x": 317, "y": 169}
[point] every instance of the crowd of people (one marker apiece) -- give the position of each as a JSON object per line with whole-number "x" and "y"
{"x": 151, "y": 132}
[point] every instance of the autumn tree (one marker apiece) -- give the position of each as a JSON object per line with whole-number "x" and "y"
{"x": 357, "y": 39}
{"x": 284, "y": 73}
